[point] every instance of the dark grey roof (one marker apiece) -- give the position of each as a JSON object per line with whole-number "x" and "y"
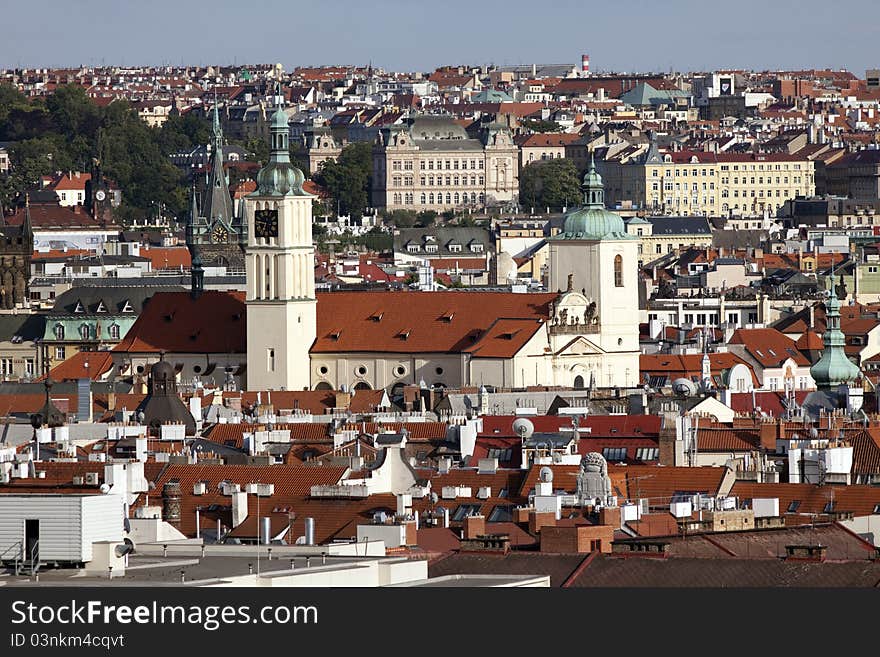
{"x": 113, "y": 298}
{"x": 444, "y": 237}
{"x": 26, "y": 327}
{"x": 738, "y": 239}
{"x": 729, "y": 261}
{"x": 680, "y": 225}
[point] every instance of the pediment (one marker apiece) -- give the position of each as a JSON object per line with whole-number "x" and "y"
{"x": 580, "y": 346}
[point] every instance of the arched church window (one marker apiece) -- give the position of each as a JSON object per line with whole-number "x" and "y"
{"x": 579, "y": 382}
{"x": 618, "y": 270}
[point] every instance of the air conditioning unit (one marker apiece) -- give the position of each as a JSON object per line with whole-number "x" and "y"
{"x": 228, "y": 488}
{"x": 250, "y": 488}
{"x": 91, "y": 479}
{"x": 200, "y": 488}
{"x": 265, "y": 490}
{"x": 484, "y": 492}
{"x": 78, "y": 480}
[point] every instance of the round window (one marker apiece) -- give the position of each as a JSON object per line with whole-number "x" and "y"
{"x": 400, "y": 370}
{"x": 439, "y": 370}
{"x": 323, "y": 369}
{"x": 140, "y": 369}
{"x": 361, "y": 370}
{"x": 197, "y": 368}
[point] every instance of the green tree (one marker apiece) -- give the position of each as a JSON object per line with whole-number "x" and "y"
{"x": 349, "y": 178}
{"x": 541, "y": 126}
{"x": 549, "y": 183}
{"x": 401, "y": 218}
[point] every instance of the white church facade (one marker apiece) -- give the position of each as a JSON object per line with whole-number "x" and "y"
{"x": 284, "y": 336}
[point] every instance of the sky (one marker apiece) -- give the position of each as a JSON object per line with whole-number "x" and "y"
{"x": 417, "y": 35}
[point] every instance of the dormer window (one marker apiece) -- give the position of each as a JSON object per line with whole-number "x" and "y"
{"x": 477, "y": 248}
{"x": 412, "y": 248}
{"x": 455, "y": 248}
{"x": 431, "y": 248}
{"x": 59, "y": 332}
{"x": 101, "y": 307}
{"x": 127, "y": 307}
{"x": 80, "y": 308}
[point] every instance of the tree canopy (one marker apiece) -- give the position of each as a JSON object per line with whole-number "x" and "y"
{"x": 67, "y": 131}
{"x": 549, "y": 183}
{"x": 349, "y": 178}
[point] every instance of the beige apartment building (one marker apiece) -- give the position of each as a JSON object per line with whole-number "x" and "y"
{"x": 708, "y": 184}
{"x": 431, "y": 163}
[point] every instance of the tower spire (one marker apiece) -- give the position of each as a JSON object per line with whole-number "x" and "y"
{"x": 593, "y": 189}
{"x": 833, "y": 368}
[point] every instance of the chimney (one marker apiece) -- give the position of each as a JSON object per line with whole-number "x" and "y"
{"x": 538, "y": 519}
{"x": 610, "y": 515}
{"x": 474, "y": 526}
{"x": 768, "y": 436}
{"x": 171, "y": 502}
{"x": 805, "y": 552}
{"x": 343, "y": 399}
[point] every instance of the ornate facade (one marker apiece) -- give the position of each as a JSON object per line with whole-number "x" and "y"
{"x": 431, "y": 163}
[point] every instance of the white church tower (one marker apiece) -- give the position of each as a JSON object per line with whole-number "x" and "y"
{"x": 594, "y": 263}
{"x": 280, "y": 260}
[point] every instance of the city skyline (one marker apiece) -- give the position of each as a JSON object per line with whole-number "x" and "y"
{"x": 629, "y": 36}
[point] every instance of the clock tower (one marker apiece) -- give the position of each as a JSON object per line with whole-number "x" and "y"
{"x": 280, "y": 263}
{"x": 215, "y": 232}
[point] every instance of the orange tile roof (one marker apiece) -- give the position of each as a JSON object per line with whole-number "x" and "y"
{"x": 768, "y": 346}
{"x": 83, "y": 365}
{"x": 505, "y": 338}
{"x": 168, "y": 258}
{"x": 174, "y": 322}
{"x": 408, "y": 322}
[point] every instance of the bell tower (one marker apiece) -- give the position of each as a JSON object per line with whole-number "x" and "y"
{"x": 280, "y": 262}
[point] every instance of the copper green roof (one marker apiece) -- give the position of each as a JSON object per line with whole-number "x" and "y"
{"x": 834, "y": 368}
{"x": 592, "y": 221}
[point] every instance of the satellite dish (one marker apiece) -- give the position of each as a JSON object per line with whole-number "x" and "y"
{"x": 105, "y": 488}
{"x": 523, "y": 427}
{"x": 684, "y": 386}
{"x": 434, "y": 498}
{"x": 546, "y": 474}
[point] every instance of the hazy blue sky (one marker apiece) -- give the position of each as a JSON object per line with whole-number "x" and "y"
{"x": 409, "y": 35}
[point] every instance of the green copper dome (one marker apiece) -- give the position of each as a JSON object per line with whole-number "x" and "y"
{"x": 592, "y": 221}
{"x": 279, "y": 177}
{"x": 834, "y": 368}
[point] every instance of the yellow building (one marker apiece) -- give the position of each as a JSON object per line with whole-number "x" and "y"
{"x": 661, "y": 235}
{"x": 705, "y": 183}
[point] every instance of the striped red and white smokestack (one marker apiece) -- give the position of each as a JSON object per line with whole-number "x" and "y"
{"x": 585, "y": 63}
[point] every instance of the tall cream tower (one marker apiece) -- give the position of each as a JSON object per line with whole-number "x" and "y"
{"x": 594, "y": 262}
{"x": 280, "y": 260}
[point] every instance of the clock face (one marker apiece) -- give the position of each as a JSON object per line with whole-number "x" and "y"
{"x": 100, "y": 195}
{"x": 219, "y": 234}
{"x": 266, "y": 223}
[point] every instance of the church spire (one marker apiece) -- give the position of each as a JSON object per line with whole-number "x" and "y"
{"x": 834, "y": 368}
{"x": 218, "y": 202}
{"x": 593, "y": 189}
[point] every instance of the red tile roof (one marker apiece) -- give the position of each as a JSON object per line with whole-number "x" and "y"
{"x": 83, "y": 365}
{"x": 768, "y": 346}
{"x": 174, "y": 322}
{"x": 407, "y": 322}
{"x": 168, "y": 258}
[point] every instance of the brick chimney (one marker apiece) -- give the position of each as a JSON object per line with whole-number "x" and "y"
{"x": 474, "y": 526}
{"x": 768, "y": 435}
{"x": 610, "y": 516}
{"x": 538, "y": 519}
